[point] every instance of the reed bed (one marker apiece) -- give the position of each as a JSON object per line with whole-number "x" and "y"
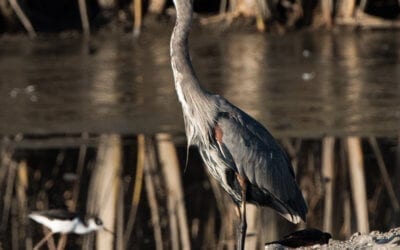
{"x": 138, "y": 186}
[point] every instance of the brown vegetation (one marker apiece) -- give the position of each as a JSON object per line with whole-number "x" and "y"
{"x": 280, "y": 15}
{"x": 183, "y": 210}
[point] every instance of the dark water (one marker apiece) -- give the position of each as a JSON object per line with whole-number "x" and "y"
{"x": 301, "y": 84}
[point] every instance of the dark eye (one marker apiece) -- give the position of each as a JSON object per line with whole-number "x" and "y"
{"x": 98, "y": 221}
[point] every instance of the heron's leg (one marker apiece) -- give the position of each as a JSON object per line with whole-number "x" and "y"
{"x": 243, "y": 224}
{"x": 45, "y": 238}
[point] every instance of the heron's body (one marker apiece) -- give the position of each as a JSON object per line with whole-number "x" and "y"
{"x": 239, "y": 145}
{"x": 237, "y": 150}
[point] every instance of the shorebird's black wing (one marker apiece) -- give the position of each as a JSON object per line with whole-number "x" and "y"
{"x": 60, "y": 214}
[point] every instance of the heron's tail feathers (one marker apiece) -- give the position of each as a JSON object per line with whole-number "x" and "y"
{"x": 294, "y": 211}
{"x": 295, "y": 219}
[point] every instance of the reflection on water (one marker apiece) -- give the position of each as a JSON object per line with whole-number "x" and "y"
{"x": 302, "y": 84}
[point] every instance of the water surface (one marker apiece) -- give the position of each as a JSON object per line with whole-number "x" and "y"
{"x": 300, "y": 84}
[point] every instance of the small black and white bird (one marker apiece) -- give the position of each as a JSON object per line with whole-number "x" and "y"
{"x": 65, "y": 222}
{"x": 302, "y": 238}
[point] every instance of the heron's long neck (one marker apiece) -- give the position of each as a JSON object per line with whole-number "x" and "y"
{"x": 197, "y": 105}
{"x": 186, "y": 82}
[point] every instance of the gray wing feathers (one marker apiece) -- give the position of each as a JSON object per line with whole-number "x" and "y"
{"x": 261, "y": 160}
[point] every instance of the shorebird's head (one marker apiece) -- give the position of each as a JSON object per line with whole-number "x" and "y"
{"x": 96, "y": 223}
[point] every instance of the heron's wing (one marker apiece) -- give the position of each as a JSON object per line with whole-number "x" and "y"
{"x": 260, "y": 159}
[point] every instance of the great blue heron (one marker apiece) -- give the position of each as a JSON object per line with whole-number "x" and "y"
{"x": 237, "y": 150}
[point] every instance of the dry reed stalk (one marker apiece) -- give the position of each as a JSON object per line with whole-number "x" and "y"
{"x": 6, "y": 13}
{"x": 171, "y": 171}
{"x": 357, "y": 177}
{"x": 23, "y": 18}
{"x": 396, "y": 177}
{"x": 228, "y": 230}
{"x": 328, "y": 153}
{"x": 253, "y": 237}
{"x": 211, "y": 240}
{"x": 48, "y": 238}
{"x": 84, "y": 17}
{"x": 376, "y": 197}
{"x": 14, "y": 225}
{"x": 262, "y": 13}
{"x": 363, "y": 20}
{"x": 346, "y": 8}
{"x": 270, "y": 225}
{"x": 222, "y": 203}
{"x": 344, "y": 193}
{"x": 156, "y": 6}
{"x": 345, "y": 230}
{"x": 79, "y": 171}
{"x": 173, "y": 225}
{"x": 150, "y": 182}
{"x": 105, "y": 186}
{"x": 209, "y": 235}
{"x": 323, "y": 14}
{"x": 120, "y": 219}
{"x": 362, "y": 5}
{"x": 62, "y": 242}
{"x": 137, "y": 13}
{"x": 4, "y": 167}
{"x": 12, "y": 169}
{"x": 88, "y": 242}
{"x": 227, "y": 210}
{"x": 384, "y": 173}
{"x": 222, "y": 6}
{"x": 292, "y": 150}
{"x": 314, "y": 186}
{"x": 137, "y": 190}
{"x": 230, "y": 226}
{"x": 21, "y": 188}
